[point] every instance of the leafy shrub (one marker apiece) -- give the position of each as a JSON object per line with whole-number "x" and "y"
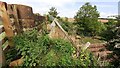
{"x": 115, "y": 40}
{"x": 112, "y": 36}
{"x": 109, "y": 32}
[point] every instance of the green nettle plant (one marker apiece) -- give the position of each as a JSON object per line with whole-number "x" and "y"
{"x": 40, "y": 50}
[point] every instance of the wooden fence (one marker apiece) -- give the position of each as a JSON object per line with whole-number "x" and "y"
{"x": 3, "y": 38}
{"x": 6, "y": 32}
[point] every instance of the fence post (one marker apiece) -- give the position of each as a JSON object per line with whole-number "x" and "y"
{"x": 2, "y": 57}
{"x": 6, "y": 23}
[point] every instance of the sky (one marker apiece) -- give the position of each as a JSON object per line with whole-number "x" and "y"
{"x": 68, "y": 8}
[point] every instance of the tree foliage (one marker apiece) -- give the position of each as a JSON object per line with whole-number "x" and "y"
{"x": 87, "y": 20}
{"x": 53, "y": 12}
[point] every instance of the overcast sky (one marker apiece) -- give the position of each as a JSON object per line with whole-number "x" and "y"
{"x": 68, "y": 8}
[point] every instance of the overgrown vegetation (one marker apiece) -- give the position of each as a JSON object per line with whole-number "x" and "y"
{"x": 39, "y": 50}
